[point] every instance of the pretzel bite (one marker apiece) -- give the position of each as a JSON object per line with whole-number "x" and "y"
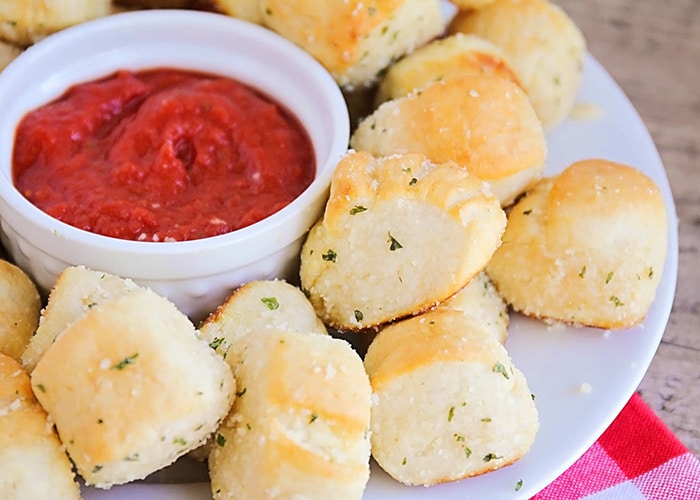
{"x": 471, "y": 410}
{"x": 484, "y": 123}
{"x": 457, "y": 54}
{"x": 299, "y": 426}
{"x": 355, "y": 39}
{"x": 480, "y": 301}
{"x": 24, "y": 22}
{"x": 20, "y": 307}
{"x": 399, "y": 235}
{"x": 131, "y": 388}
{"x": 585, "y": 247}
{"x": 257, "y": 307}
{"x": 33, "y": 463}
{"x": 544, "y": 46}
{"x": 76, "y": 291}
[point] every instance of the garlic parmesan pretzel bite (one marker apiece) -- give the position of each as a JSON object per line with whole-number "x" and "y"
{"x": 355, "y": 39}
{"x": 299, "y": 427}
{"x": 399, "y": 235}
{"x": 586, "y": 247}
{"x": 24, "y": 22}
{"x": 131, "y": 388}
{"x": 33, "y": 463}
{"x": 544, "y": 46}
{"x": 454, "y": 55}
{"x": 76, "y": 291}
{"x": 258, "y": 307}
{"x": 20, "y": 307}
{"x": 484, "y": 123}
{"x": 448, "y": 401}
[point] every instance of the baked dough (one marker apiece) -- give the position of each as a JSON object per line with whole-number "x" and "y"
{"x": 484, "y": 123}
{"x": 131, "y": 388}
{"x": 543, "y": 44}
{"x": 33, "y": 463}
{"x": 457, "y": 54}
{"x": 471, "y": 410}
{"x": 399, "y": 235}
{"x": 23, "y": 22}
{"x": 257, "y": 307}
{"x": 480, "y": 301}
{"x": 354, "y": 39}
{"x": 299, "y": 426}
{"x": 20, "y": 306}
{"x": 585, "y": 247}
{"x": 76, "y": 291}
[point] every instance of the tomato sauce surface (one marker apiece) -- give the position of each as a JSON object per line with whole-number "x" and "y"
{"x": 161, "y": 155}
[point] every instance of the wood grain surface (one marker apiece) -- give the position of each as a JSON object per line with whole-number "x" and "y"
{"x": 652, "y": 49}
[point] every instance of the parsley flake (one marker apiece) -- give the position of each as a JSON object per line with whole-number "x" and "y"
{"x": 129, "y": 360}
{"x": 451, "y": 414}
{"x": 616, "y": 300}
{"x": 270, "y": 302}
{"x": 518, "y": 485}
{"x": 491, "y": 456}
{"x": 357, "y": 209}
{"x": 220, "y": 440}
{"x": 394, "y": 244}
{"x": 216, "y": 343}
{"x": 609, "y": 277}
{"x": 582, "y": 272}
{"x": 329, "y": 256}
{"x": 499, "y": 368}
{"x": 358, "y": 315}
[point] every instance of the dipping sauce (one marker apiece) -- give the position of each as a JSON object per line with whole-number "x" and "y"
{"x": 162, "y": 155}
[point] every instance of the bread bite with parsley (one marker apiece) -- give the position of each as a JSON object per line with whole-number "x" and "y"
{"x": 355, "y": 40}
{"x": 257, "y": 307}
{"x": 299, "y": 425}
{"x": 131, "y": 388}
{"x": 440, "y": 59}
{"x": 586, "y": 247}
{"x": 399, "y": 234}
{"x": 543, "y": 44}
{"x": 20, "y": 306}
{"x": 33, "y": 463}
{"x": 484, "y": 123}
{"x": 76, "y": 291}
{"x": 448, "y": 403}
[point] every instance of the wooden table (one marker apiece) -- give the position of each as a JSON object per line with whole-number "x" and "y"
{"x": 652, "y": 49}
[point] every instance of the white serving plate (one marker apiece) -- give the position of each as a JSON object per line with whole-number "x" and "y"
{"x": 560, "y": 363}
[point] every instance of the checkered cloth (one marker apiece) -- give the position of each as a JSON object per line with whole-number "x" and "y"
{"x": 637, "y": 458}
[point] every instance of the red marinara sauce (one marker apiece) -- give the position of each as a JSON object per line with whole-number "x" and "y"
{"x": 162, "y": 155}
